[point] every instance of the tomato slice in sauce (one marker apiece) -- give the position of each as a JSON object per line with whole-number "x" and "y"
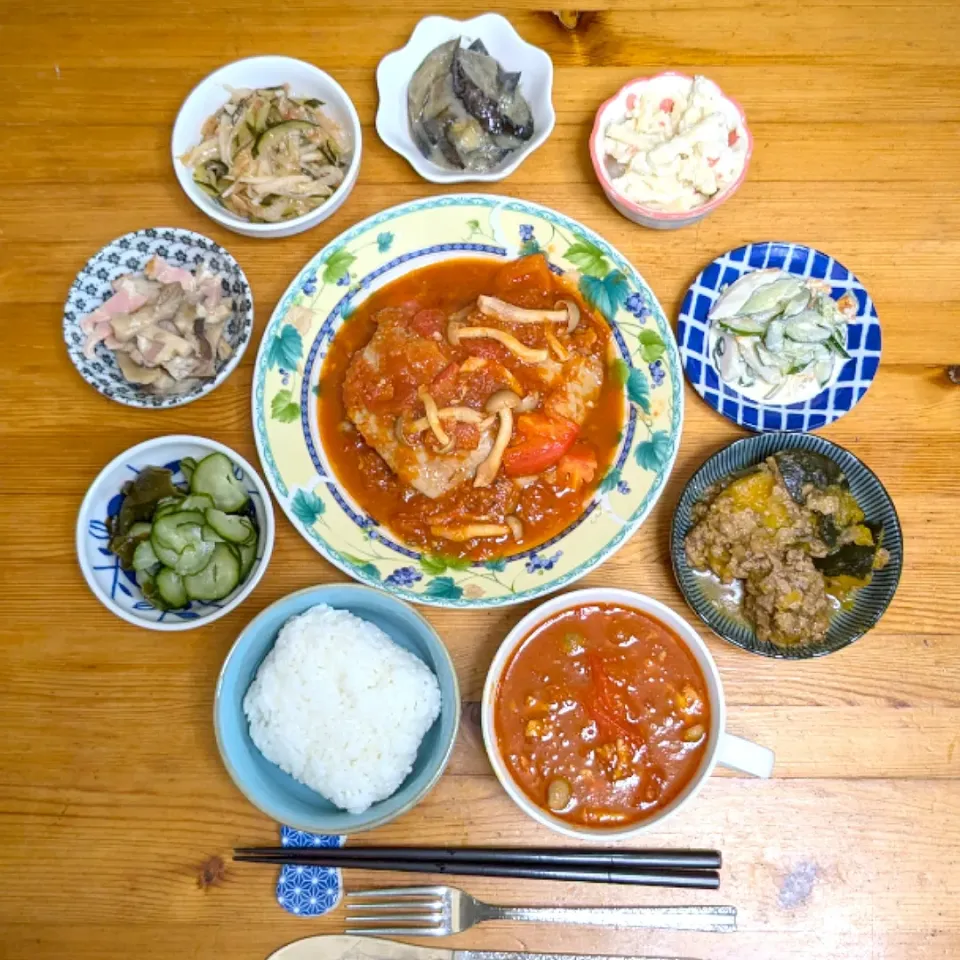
{"x": 602, "y": 716}
{"x": 543, "y": 440}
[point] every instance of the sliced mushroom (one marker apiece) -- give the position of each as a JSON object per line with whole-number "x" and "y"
{"x": 462, "y": 314}
{"x": 507, "y": 312}
{"x": 487, "y": 471}
{"x": 399, "y": 430}
{"x": 469, "y": 531}
{"x": 501, "y": 400}
{"x": 559, "y": 350}
{"x": 521, "y": 350}
{"x": 460, "y": 414}
{"x": 453, "y": 332}
{"x": 573, "y": 314}
{"x": 516, "y": 527}
{"x": 433, "y": 419}
{"x": 525, "y": 481}
{"x": 530, "y": 402}
{"x": 472, "y": 364}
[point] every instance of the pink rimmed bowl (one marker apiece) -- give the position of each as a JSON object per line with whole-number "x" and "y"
{"x": 614, "y": 110}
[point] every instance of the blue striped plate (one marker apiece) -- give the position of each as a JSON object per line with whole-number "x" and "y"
{"x": 870, "y": 602}
{"x": 850, "y": 383}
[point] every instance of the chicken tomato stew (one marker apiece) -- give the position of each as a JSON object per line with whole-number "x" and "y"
{"x": 602, "y": 716}
{"x": 468, "y": 407}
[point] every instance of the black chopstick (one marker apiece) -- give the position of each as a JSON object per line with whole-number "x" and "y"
{"x": 532, "y": 856}
{"x": 699, "y": 879}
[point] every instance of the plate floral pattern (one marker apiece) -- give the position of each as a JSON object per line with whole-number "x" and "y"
{"x": 287, "y": 388}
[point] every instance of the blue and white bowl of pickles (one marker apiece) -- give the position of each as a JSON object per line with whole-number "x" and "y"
{"x": 117, "y": 589}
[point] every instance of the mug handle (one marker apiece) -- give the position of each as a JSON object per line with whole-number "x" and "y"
{"x": 745, "y": 756}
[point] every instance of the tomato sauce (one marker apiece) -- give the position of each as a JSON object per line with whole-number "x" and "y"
{"x": 546, "y": 502}
{"x": 602, "y": 716}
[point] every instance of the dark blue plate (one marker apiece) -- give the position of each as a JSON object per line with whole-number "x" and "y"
{"x": 869, "y": 602}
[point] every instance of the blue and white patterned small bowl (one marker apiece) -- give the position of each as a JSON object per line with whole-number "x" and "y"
{"x": 182, "y": 248}
{"x": 116, "y": 588}
{"x": 851, "y": 380}
{"x": 869, "y": 603}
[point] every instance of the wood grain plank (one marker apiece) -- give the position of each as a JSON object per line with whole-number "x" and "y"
{"x": 612, "y": 37}
{"x": 139, "y": 152}
{"x": 851, "y": 853}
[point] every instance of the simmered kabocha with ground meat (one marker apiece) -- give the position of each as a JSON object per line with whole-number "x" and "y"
{"x": 793, "y": 534}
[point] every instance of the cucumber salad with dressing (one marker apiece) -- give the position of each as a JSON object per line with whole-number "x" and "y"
{"x": 779, "y": 338}
{"x": 193, "y": 543}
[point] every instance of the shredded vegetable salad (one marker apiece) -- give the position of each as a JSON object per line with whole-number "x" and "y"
{"x": 267, "y": 156}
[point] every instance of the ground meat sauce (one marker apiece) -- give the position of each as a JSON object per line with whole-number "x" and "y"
{"x": 800, "y": 549}
{"x": 602, "y": 716}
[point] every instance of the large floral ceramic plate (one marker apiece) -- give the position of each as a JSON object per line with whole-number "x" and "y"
{"x": 287, "y": 385}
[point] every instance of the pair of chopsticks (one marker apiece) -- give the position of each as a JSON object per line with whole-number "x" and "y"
{"x": 660, "y": 868}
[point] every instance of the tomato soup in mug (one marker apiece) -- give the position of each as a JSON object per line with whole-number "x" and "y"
{"x": 602, "y": 715}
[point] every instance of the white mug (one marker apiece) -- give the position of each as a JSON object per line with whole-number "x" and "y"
{"x": 721, "y": 747}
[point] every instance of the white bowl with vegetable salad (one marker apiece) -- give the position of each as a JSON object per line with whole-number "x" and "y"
{"x": 175, "y": 532}
{"x": 267, "y": 146}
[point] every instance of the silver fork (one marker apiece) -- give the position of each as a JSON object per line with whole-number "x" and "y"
{"x": 441, "y": 911}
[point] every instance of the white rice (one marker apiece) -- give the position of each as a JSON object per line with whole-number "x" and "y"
{"x": 341, "y": 707}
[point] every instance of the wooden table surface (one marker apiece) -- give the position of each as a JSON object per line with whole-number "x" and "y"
{"x": 112, "y": 793}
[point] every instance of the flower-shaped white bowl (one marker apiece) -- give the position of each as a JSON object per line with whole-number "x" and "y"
{"x": 116, "y": 588}
{"x": 211, "y": 94}
{"x": 506, "y": 45}
{"x": 129, "y": 254}
{"x": 615, "y": 109}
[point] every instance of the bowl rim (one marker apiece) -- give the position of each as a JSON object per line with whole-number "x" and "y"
{"x": 295, "y": 224}
{"x": 405, "y": 147}
{"x": 257, "y": 573}
{"x": 247, "y": 321}
{"x": 446, "y": 753}
{"x": 784, "y": 439}
{"x": 600, "y": 124}
{"x": 688, "y": 636}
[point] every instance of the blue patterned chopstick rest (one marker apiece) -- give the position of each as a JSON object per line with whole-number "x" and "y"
{"x": 308, "y": 891}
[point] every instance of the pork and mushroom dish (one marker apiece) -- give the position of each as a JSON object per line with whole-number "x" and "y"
{"x": 165, "y": 326}
{"x": 468, "y": 407}
{"x": 792, "y": 537}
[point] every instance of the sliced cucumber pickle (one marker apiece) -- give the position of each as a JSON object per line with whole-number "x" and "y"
{"x": 231, "y": 527}
{"x": 165, "y": 506}
{"x": 214, "y": 477}
{"x": 248, "y": 556}
{"x": 170, "y": 587}
{"x": 144, "y": 557}
{"x": 194, "y": 557}
{"x": 176, "y": 530}
{"x": 219, "y": 578}
{"x": 197, "y": 501}
{"x": 167, "y": 556}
